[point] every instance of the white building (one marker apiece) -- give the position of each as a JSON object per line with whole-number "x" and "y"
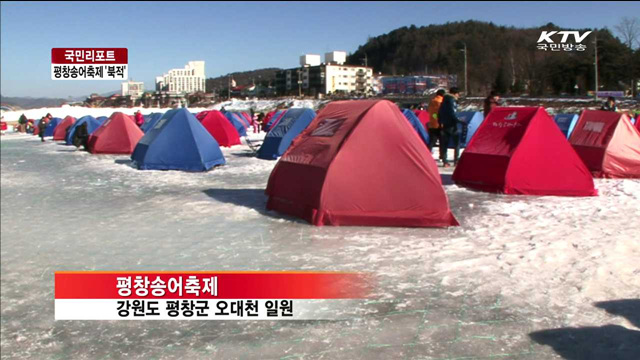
{"x": 135, "y": 89}
{"x": 180, "y": 81}
{"x": 335, "y": 57}
{"x": 310, "y": 60}
{"x": 332, "y": 76}
{"x": 348, "y": 78}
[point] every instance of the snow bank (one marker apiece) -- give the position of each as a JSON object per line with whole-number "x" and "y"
{"x": 80, "y": 111}
{"x": 233, "y": 105}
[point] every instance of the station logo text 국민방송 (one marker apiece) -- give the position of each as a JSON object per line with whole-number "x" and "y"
{"x": 546, "y": 41}
{"x": 89, "y": 64}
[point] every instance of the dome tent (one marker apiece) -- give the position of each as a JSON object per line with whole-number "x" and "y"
{"x": 119, "y": 134}
{"x": 219, "y": 127}
{"x": 177, "y": 129}
{"x": 608, "y": 144}
{"x": 360, "y": 163}
{"x": 92, "y": 125}
{"x": 280, "y": 137}
{"x": 520, "y": 150}
{"x": 61, "y": 130}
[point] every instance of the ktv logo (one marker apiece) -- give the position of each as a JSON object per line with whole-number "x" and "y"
{"x": 546, "y": 42}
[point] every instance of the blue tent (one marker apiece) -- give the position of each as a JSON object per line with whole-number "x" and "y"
{"x": 473, "y": 120}
{"x": 417, "y": 126}
{"x": 51, "y": 126}
{"x": 149, "y": 121}
{"x": 92, "y": 125}
{"x": 242, "y": 131}
{"x": 273, "y": 119}
{"x": 177, "y": 142}
{"x": 101, "y": 119}
{"x": 280, "y": 137}
{"x": 566, "y": 123}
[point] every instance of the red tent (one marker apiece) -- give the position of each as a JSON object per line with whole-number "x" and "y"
{"x": 638, "y": 122}
{"x": 119, "y": 134}
{"x": 360, "y": 163}
{"x": 220, "y": 128}
{"x": 608, "y": 144}
{"x": 248, "y": 117}
{"x": 266, "y": 119}
{"x": 520, "y": 150}
{"x": 423, "y": 116}
{"x": 61, "y": 130}
{"x": 277, "y": 120}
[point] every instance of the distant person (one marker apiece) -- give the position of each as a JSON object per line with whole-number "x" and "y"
{"x": 609, "y": 105}
{"x": 433, "y": 126}
{"x": 449, "y": 121}
{"x": 30, "y": 127}
{"x": 491, "y": 102}
{"x": 139, "y": 119}
{"x": 81, "y": 136}
{"x": 42, "y": 126}
{"x": 23, "y": 123}
{"x": 255, "y": 122}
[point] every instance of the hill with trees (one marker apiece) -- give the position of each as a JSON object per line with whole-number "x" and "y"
{"x": 503, "y": 58}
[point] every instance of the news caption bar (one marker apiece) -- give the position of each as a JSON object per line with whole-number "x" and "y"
{"x": 89, "y": 64}
{"x": 208, "y": 295}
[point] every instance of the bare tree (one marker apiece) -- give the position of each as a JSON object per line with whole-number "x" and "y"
{"x": 629, "y": 30}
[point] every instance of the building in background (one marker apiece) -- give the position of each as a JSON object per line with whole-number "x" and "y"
{"x": 187, "y": 80}
{"x": 133, "y": 89}
{"x": 331, "y": 77}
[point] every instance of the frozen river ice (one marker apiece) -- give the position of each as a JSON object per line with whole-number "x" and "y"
{"x": 521, "y": 278}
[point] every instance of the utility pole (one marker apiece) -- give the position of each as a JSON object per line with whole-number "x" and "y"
{"x": 466, "y": 88}
{"x": 596, "y": 66}
{"x": 299, "y": 83}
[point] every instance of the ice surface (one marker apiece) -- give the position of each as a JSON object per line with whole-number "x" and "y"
{"x": 516, "y": 265}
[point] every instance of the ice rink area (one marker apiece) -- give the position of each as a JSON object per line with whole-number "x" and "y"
{"x": 521, "y": 278}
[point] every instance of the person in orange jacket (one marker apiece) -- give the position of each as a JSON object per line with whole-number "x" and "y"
{"x": 433, "y": 125}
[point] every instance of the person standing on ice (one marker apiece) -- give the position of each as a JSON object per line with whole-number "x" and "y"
{"x": 433, "y": 126}
{"x": 609, "y": 105}
{"x": 139, "y": 119}
{"x": 81, "y": 136}
{"x": 449, "y": 121}
{"x": 491, "y": 102}
{"x": 42, "y": 126}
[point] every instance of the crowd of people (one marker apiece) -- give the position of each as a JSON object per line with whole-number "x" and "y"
{"x": 443, "y": 122}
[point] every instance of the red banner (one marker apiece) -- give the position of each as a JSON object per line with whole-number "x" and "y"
{"x": 211, "y": 285}
{"x": 89, "y": 56}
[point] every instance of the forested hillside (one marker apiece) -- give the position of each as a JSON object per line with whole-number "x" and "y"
{"x": 504, "y": 58}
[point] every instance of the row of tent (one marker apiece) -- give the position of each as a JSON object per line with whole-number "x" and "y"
{"x": 366, "y": 162}
{"x": 362, "y": 163}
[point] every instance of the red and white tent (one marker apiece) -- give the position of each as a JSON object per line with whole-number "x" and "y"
{"x": 360, "y": 163}
{"x": 520, "y": 150}
{"x": 608, "y": 144}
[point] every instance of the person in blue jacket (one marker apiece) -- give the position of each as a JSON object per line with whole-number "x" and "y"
{"x": 449, "y": 121}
